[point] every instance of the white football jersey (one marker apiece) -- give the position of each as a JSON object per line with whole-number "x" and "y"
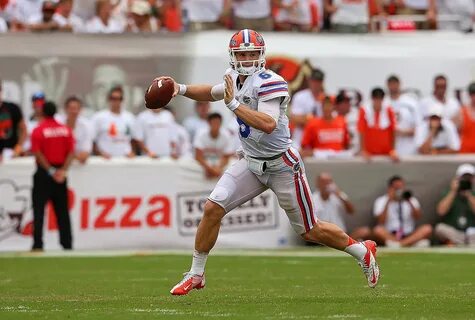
{"x": 262, "y": 86}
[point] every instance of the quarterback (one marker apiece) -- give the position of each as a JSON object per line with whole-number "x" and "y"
{"x": 259, "y": 98}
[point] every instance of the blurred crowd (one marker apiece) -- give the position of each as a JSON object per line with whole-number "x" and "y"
{"x": 145, "y": 16}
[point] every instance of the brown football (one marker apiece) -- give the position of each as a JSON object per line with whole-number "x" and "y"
{"x": 159, "y": 93}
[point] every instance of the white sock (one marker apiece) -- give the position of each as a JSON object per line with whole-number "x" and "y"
{"x": 199, "y": 262}
{"x": 357, "y": 250}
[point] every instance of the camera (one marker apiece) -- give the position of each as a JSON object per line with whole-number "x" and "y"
{"x": 406, "y": 195}
{"x": 465, "y": 184}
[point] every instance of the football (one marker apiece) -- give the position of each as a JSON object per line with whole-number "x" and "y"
{"x": 159, "y": 93}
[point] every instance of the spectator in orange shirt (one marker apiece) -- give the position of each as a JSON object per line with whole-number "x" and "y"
{"x": 377, "y": 127}
{"x": 326, "y": 135}
{"x": 467, "y": 123}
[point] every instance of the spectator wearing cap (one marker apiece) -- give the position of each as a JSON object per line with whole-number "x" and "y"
{"x": 450, "y": 106}
{"x": 253, "y": 14}
{"x": 12, "y": 129}
{"x": 207, "y": 14}
{"x": 156, "y": 133}
{"x": 141, "y": 19}
{"x": 53, "y": 146}
{"x": 437, "y": 135}
{"x": 325, "y": 136}
{"x": 377, "y": 127}
{"x": 307, "y": 104}
{"x": 103, "y": 21}
{"x": 456, "y": 209}
{"x": 213, "y": 147}
{"x": 350, "y": 16}
{"x": 80, "y": 127}
{"x": 113, "y": 129}
{"x": 38, "y": 100}
{"x": 467, "y": 123}
{"x": 44, "y": 20}
{"x": 299, "y": 15}
{"x": 66, "y": 19}
{"x": 345, "y": 109}
{"x": 405, "y": 110}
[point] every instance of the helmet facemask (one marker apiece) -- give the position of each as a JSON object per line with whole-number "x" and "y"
{"x": 257, "y": 65}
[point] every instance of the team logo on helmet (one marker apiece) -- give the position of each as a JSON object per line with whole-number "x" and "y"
{"x": 233, "y": 42}
{"x": 260, "y": 40}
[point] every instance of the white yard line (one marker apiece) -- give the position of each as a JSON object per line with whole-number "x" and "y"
{"x": 307, "y": 252}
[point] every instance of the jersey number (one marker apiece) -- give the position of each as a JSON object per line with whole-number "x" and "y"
{"x": 264, "y": 75}
{"x": 244, "y": 129}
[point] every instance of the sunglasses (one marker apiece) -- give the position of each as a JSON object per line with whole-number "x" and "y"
{"x": 115, "y": 98}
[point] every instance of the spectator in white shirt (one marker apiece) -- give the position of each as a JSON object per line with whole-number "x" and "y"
{"x": 332, "y": 205}
{"x": 3, "y": 25}
{"x": 22, "y": 11}
{"x": 114, "y": 128}
{"x": 450, "y": 105}
{"x": 253, "y": 14}
{"x": 183, "y": 147}
{"x": 397, "y": 212}
{"x": 437, "y": 135}
{"x": 350, "y": 16}
{"x": 207, "y": 14}
{"x": 67, "y": 20}
{"x": 295, "y": 15}
{"x": 195, "y": 123}
{"x": 80, "y": 126}
{"x": 103, "y": 21}
{"x": 141, "y": 19}
{"x": 213, "y": 147}
{"x": 307, "y": 104}
{"x": 405, "y": 110}
{"x": 156, "y": 133}
{"x": 43, "y": 21}
{"x": 464, "y": 10}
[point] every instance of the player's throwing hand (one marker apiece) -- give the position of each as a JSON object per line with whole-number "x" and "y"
{"x": 228, "y": 89}
{"x": 176, "y": 86}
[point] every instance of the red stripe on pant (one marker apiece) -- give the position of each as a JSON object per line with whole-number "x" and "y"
{"x": 300, "y": 201}
{"x": 308, "y": 198}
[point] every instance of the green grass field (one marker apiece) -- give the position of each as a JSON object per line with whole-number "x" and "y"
{"x": 412, "y": 286}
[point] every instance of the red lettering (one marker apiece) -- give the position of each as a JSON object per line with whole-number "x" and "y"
{"x": 133, "y": 204}
{"x": 107, "y": 204}
{"x": 85, "y": 213}
{"x": 161, "y": 215}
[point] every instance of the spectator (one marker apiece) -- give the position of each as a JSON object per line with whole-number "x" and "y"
{"x": 12, "y": 129}
{"x": 156, "y": 133}
{"x": 307, "y": 104}
{"x": 141, "y": 19}
{"x": 195, "y": 123}
{"x": 350, "y": 16}
{"x": 53, "y": 145}
{"x": 418, "y": 7}
{"x": 80, "y": 127}
{"x": 377, "y": 128}
{"x": 457, "y": 209}
{"x": 467, "y": 123}
{"x": 437, "y": 135}
{"x": 43, "y": 21}
{"x": 397, "y": 212}
{"x": 103, "y": 21}
{"x": 344, "y": 108}
{"x": 3, "y": 25}
{"x": 22, "y": 11}
{"x": 327, "y": 135}
{"x": 213, "y": 147}
{"x": 38, "y": 100}
{"x": 253, "y": 14}
{"x": 450, "y": 105}
{"x": 405, "y": 110}
{"x": 114, "y": 128}
{"x": 207, "y": 14}
{"x": 183, "y": 148}
{"x": 332, "y": 204}
{"x": 464, "y": 9}
{"x": 296, "y": 15}
{"x": 170, "y": 12}
{"x": 66, "y": 19}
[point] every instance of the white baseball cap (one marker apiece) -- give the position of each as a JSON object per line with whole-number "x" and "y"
{"x": 141, "y": 8}
{"x": 436, "y": 110}
{"x": 465, "y": 168}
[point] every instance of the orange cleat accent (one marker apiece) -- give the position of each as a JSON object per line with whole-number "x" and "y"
{"x": 189, "y": 282}
{"x": 369, "y": 265}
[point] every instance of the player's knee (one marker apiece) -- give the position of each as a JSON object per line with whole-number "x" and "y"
{"x": 213, "y": 211}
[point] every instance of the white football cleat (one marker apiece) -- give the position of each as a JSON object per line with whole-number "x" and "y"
{"x": 369, "y": 265}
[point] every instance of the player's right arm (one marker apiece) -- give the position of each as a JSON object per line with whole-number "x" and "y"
{"x": 198, "y": 92}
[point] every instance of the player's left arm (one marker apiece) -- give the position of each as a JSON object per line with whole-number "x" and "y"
{"x": 256, "y": 119}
